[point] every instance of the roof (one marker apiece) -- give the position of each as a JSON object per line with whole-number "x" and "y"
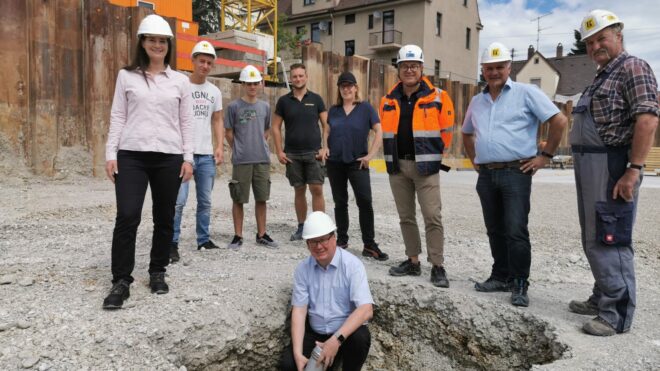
{"x": 576, "y": 72}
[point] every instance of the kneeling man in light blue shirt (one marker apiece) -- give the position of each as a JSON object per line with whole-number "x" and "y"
{"x": 331, "y": 302}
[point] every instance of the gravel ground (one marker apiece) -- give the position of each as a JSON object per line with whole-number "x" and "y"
{"x": 226, "y": 309}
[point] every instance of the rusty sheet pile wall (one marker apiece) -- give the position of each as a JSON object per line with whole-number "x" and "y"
{"x": 60, "y": 60}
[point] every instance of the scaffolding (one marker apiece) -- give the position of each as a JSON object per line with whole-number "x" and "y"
{"x": 251, "y": 16}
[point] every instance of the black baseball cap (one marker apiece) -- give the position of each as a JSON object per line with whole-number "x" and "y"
{"x": 346, "y": 77}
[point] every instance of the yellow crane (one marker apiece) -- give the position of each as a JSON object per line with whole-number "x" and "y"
{"x": 251, "y": 16}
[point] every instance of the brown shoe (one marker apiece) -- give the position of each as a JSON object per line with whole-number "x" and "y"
{"x": 373, "y": 251}
{"x": 598, "y": 327}
{"x": 583, "y": 307}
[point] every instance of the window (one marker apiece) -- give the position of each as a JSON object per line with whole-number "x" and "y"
{"x": 349, "y": 47}
{"x": 350, "y": 18}
{"x": 371, "y": 22}
{"x": 468, "y": 33}
{"x": 329, "y": 27}
{"x": 147, "y": 5}
{"x": 438, "y": 24}
{"x": 536, "y": 82}
{"x": 308, "y": 2}
{"x": 300, "y": 30}
{"x": 536, "y": 60}
{"x": 316, "y": 32}
{"x": 465, "y": 3}
{"x": 436, "y": 69}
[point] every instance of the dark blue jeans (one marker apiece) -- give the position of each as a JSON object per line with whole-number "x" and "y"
{"x": 339, "y": 175}
{"x": 504, "y": 195}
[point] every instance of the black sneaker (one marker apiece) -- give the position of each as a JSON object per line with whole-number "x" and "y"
{"x": 439, "y": 276}
{"x": 492, "y": 285}
{"x": 297, "y": 235}
{"x": 519, "y": 292}
{"x": 120, "y": 291}
{"x": 265, "y": 240}
{"x": 372, "y": 251}
{"x": 174, "y": 252}
{"x": 208, "y": 245}
{"x": 407, "y": 268}
{"x": 157, "y": 283}
{"x": 235, "y": 243}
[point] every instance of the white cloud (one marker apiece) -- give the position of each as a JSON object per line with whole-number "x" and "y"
{"x": 510, "y": 24}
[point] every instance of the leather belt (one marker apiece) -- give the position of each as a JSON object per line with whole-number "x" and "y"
{"x": 501, "y": 165}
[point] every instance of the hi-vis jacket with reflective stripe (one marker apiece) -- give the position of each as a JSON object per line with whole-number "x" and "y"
{"x": 433, "y": 120}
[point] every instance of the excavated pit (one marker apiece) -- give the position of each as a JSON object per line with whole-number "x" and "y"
{"x": 413, "y": 327}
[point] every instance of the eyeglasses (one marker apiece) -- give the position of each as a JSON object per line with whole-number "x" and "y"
{"x": 346, "y": 86}
{"x": 410, "y": 67}
{"x": 323, "y": 241}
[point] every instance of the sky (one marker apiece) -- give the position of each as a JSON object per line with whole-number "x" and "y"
{"x": 510, "y": 22}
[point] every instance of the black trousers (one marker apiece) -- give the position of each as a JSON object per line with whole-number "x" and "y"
{"x": 353, "y": 352}
{"x": 137, "y": 169}
{"x": 340, "y": 174}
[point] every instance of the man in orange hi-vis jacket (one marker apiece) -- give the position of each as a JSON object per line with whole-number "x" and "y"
{"x": 417, "y": 119}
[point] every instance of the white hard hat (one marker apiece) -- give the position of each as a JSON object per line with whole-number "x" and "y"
{"x": 250, "y": 73}
{"x": 203, "y": 47}
{"x": 597, "y": 20}
{"x": 155, "y": 25}
{"x": 410, "y": 52}
{"x": 318, "y": 224}
{"x": 495, "y": 52}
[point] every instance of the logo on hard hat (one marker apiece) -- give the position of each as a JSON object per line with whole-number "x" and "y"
{"x": 252, "y": 74}
{"x": 410, "y": 54}
{"x": 589, "y": 23}
{"x": 495, "y": 52}
{"x": 206, "y": 45}
{"x": 611, "y": 17}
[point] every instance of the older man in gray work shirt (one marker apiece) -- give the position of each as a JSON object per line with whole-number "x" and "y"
{"x": 331, "y": 302}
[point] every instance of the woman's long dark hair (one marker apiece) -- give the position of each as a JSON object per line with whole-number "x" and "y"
{"x": 141, "y": 58}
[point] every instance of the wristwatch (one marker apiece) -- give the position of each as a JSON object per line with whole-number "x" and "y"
{"x": 548, "y": 155}
{"x": 340, "y": 337}
{"x": 635, "y": 166}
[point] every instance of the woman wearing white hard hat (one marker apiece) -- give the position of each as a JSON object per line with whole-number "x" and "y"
{"x": 150, "y": 143}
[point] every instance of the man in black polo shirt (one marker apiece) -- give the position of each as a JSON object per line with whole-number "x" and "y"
{"x": 304, "y": 145}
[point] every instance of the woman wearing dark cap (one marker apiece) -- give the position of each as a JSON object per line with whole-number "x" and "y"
{"x": 350, "y": 122}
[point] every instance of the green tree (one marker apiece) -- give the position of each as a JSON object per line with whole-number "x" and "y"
{"x": 207, "y": 14}
{"x": 579, "y": 47}
{"x": 287, "y": 40}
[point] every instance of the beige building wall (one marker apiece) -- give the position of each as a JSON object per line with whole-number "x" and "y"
{"x": 298, "y": 7}
{"x": 416, "y": 22}
{"x": 457, "y": 62}
{"x": 541, "y": 70}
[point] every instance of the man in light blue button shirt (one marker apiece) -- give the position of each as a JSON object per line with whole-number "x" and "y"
{"x": 499, "y": 134}
{"x": 331, "y": 302}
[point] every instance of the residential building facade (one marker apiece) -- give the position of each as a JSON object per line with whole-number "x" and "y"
{"x": 447, "y": 31}
{"x": 561, "y": 78}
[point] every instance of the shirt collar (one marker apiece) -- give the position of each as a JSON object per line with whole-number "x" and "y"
{"x": 294, "y": 97}
{"x": 613, "y": 62}
{"x": 507, "y": 85}
{"x": 336, "y": 260}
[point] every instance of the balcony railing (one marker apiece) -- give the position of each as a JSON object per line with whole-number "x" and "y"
{"x": 385, "y": 39}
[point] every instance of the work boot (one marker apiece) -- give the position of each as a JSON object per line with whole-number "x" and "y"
{"x": 208, "y": 245}
{"x": 439, "y": 276}
{"x": 371, "y": 250}
{"x": 598, "y": 327}
{"x": 157, "y": 283}
{"x": 586, "y": 307}
{"x": 265, "y": 240}
{"x": 174, "y": 252}
{"x": 519, "y": 292}
{"x": 492, "y": 285}
{"x": 407, "y": 268}
{"x": 120, "y": 291}
{"x": 297, "y": 235}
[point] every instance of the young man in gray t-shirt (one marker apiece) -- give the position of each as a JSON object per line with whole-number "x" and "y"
{"x": 247, "y": 126}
